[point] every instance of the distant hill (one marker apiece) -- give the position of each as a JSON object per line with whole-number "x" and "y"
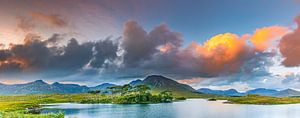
{"x": 230, "y": 92}
{"x": 41, "y": 87}
{"x": 258, "y": 91}
{"x": 288, "y": 92}
{"x": 263, "y": 91}
{"x": 136, "y": 82}
{"x": 102, "y": 87}
{"x": 68, "y": 88}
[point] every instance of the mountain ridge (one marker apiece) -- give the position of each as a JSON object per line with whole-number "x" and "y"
{"x": 257, "y": 91}
{"x": 156, "y": 82}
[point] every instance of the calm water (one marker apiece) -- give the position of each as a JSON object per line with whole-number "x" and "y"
{"x": 192, "y": 108}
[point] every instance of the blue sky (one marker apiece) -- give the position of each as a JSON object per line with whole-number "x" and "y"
{"x": 201, "y": 19}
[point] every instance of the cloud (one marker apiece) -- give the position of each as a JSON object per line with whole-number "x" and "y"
{"x": 140, "y": 46}
{"x": 25, "y": 24}
{"x": 104, "y": 50}
{"x": 191, "y": 80}
{"x": 290, "y": 47}
{"x": 36, "y": 55}
{"x": 33, "y": 20}
{"x": 50, "y": 19}
{"x": 160, "y": 52}
{"x": 221, "y": 52}
{"x": 140, "y": 52}
{"x": 264, "y": 37}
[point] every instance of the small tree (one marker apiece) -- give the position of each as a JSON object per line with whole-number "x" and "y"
{"x": 94, "y": 92}
{"x": 127, "y": 88}
{"x": 142, "y": 89}
{"x": 166, "y": 96}
{"x": 115, "y": 89}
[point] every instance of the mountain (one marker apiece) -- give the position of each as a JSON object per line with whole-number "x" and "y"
{"x": 102, "y": 87}
{"x": 258, "y": 91}
{"x": 36, "y": 87}
{"x": 41, "y": 87}
{"x": 263, "y": 91}
{"x": 288, "y": 92}
{"x": 136, "y": 82}
{"x": 156, "y": 82}
{"x": 160, "y": 83}
{"x": 230, "y": 92}
{"x": 68, "y": 88}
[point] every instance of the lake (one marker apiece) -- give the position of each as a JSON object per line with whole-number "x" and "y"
{"x": 191, "y": 108}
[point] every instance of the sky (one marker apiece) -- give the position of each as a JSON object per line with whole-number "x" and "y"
{"x": 209, "y": 43}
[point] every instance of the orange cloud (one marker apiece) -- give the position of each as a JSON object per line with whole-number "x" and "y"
{"x": 53, "y": 20}
{"x": 191, "y": 81}
{"x": 221, "y": 52}
{"x": 263, "y": 37}
{"x": 290, "y": 46}
{"x": 166, "y": 48}
{"x": 223, "y": 47}
{"x": 19, "y": 62}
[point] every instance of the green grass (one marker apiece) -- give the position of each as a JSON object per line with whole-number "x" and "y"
{"x": 256, "y": 99}
{"x": 16, "y": 106}
{"x": 22, "y": 115}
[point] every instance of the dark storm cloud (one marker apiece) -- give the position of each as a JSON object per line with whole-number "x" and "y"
{"x": 104, "y": 50}
{"x": 140, "y": 46}
{"x": 37, "y": 55}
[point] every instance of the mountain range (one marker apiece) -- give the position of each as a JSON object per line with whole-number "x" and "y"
{"x": 156, "y": 82}
{"x": 258, "y": 91}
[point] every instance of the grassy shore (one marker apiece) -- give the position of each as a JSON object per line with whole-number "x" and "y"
{"x": 19, "y": 106}
{"x": 260, "y": 100}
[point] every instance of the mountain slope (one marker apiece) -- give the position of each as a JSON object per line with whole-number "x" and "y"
{"x": 160, "y": 83}
{"x": 288, "y": 92}
{"x": 41, "y": 87}
{"x": 36, "y": 87}
{"x": 230, "y": 92}
{"x": 102, "y": 87}
{"x": 68, "y": 88}
{"x": 263, "y": 91}
{"x": 258, "y": 91}
{"x": 136, "y": 82}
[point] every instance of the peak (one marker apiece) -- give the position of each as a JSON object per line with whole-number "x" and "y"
{"x": 106, "y": 84}
{"x": 56, "y": 83}
{"x": 204, "y": 89}
{"x": 138, "y": 80}
{"x": 289, "y": 89}
{"x": 231, "y": 90}
{"x": 156, "y": 76}
{"x": 260, "y": 89}
{"x": 39, "y": 81}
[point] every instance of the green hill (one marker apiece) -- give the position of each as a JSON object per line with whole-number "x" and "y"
{"x": 160, "y": 83}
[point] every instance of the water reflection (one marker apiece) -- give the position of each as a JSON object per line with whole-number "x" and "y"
{"x": 193, "y": 108}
